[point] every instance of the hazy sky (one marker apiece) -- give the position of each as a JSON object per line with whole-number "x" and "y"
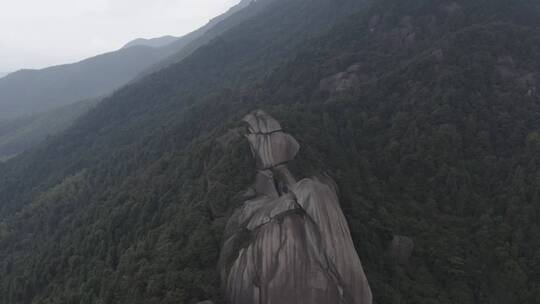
{"x": 40, "y": 33}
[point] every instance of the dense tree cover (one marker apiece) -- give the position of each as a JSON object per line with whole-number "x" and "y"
{"x": 426, "y": 113}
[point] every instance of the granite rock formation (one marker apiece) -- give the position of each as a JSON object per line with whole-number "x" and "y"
{"x": 289, "y": 243}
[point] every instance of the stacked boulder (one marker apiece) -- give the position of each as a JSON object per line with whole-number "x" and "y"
{"x": 290, "y": 243}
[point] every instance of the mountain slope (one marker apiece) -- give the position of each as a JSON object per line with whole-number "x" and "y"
{"x": 426, "y": 113}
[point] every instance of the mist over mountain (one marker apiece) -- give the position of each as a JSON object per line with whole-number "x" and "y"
{"x": 420, "y": 118}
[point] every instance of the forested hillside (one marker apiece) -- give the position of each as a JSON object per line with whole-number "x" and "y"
{"x": 426, "y": 113}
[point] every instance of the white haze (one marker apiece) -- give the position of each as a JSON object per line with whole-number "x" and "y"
{"x": 38, "y": 33}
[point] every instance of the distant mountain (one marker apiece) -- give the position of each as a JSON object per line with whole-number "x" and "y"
{"x": 153, "y": 42}
{"x": 2, "y": 74}
{"x": 30, "y": 95}
{"x": 28, "y": 92}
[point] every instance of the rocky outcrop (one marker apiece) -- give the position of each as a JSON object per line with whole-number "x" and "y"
{"x": 290, "y": 243}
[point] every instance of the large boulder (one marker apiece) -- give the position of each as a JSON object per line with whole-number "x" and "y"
{"x": 273, "y": 149}
{"x": 290, "y": 244}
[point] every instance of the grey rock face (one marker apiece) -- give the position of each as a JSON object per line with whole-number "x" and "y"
{"x": 290, "y": 244}
{"x": 272, "y": 149}
{"x": 260, "y": 122}
{"x": 269, "y": 144}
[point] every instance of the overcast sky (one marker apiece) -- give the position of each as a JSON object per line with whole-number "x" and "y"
{"x": 41, "y": 33}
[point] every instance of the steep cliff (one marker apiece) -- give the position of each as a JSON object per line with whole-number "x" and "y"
{"x": 290, "y": 243}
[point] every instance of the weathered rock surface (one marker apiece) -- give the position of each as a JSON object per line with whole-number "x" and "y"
{"x": 290, "y": 244}
{"x": 273, "y": 149}
{"x": 260, "y": 122}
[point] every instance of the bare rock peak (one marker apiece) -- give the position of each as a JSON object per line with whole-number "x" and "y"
{"x": 270, "y": 146}
{"x": 289, "y": 244}
{"x": 273, "y": 149}
{"x": 260, "y": 122}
